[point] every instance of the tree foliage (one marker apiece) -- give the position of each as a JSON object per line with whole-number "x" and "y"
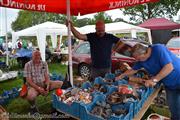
{"x": 163, "y": 8}
{"x": 82, "y": 22}
{"x": 101, "y": 16}
{"x": 28, "y": 18}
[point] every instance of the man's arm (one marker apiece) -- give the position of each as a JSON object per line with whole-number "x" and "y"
{"x": 126, "y": 73}
{"x": 168, "y": 68}
{"x": 76, "y": 33}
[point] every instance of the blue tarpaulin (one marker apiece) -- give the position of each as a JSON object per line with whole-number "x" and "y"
{"x": 24, "y": 53}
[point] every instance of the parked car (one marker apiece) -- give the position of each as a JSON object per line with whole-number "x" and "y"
{"x": 174, "y": 45}
{"x": 81, "y": 59}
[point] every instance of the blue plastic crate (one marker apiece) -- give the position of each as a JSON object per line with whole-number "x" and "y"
{"x": 136, "y": 109}
{"x": 13, "y": 93}
{"x": 2, "y": 102}
{"x": 99, "y": 80}
{"x": 61, "y": 77}
{"x": 86, "y": 108}
{"x": 86, "y": 115}
{"x": 86, "y": 85}
{"x": 129, "y": 116}
{"x": 138, "y": 104}
{"x": 109, "y": 76}
{"x": 111, "y": 90}
{"x": 4, "y": 99}
{"x": 72, "y": 109}
{"x": 54, "y": 76}
{"x": 120, "y": 82}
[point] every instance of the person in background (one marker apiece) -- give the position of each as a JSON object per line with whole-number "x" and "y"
{"x": 48, "y": 53}
{"x": 37, "y": 78}
{"x": 9, "y": 45}
{"x": 164, "y": 66}
{"x": 30, "y": 45}
{"x": 19, "y": 44}
{"x": 1, "y": 44}
{"x": 100, "y": 47}
{"x": 58, "y": 49}
{"x": 24, "y": 44}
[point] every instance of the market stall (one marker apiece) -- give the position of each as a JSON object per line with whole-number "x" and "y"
{"x": 81, "y": 105}
{"x": 107, "y": 98}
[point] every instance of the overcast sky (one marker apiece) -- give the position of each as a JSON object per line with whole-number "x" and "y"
{"x": 12, "y": 15}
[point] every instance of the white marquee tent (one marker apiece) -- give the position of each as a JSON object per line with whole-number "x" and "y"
{"x": 41, "y": 31}
{"x": 119, "y": 27}
{"x": 54, "y": 29}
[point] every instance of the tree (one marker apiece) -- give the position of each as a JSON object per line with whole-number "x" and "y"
{"x": 101, "y": 16}
{"x": 23, "y": 20}
{"x": 163, "y": 8}
{"x": 27, "y": 19}
{"x": 83, "y": 22}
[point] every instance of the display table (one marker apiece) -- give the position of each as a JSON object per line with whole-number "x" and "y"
{"x": 79, "y": 111}
{"x": 147, "y": 104}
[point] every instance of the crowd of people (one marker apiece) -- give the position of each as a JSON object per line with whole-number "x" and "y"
{"x": 9, "y": 47}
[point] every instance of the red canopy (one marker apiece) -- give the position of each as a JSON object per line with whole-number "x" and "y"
{"x": 77, "y": 6}
{"x": 160, "y": 24}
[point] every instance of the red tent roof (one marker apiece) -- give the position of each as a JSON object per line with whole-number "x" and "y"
{"x": 76, "y": 6}
{"x": 160, "y": 24}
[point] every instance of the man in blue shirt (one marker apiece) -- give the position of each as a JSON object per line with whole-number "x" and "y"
{"x": 165, "y": 67}
{"x": 100, "y": 47}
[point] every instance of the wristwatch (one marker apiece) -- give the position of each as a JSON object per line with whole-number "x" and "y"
{"x": 155, "y": 80}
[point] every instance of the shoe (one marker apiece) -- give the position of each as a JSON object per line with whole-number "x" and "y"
{"x": 34, "y": 110}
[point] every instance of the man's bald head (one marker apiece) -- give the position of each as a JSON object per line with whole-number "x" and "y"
{"x": 100, "y": 28}
{"x": 100, "y": 23}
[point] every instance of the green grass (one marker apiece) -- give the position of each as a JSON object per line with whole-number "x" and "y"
{"x": 21, "y": 106}
{"x": 164, "y": 111}
{"x": 58, "y": 68}
{"x": 7, "y": 85}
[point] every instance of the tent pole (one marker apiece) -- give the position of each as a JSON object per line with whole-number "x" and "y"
{"x": 69, "y": 43}
{"x": 60, "y": 41}
{"x": 1, "y": 22}
{"x": 7, "y": 53}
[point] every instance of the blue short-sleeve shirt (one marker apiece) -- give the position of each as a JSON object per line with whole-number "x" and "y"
{"x": 101, "y": 49}
{"x": 161, "y": 56}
